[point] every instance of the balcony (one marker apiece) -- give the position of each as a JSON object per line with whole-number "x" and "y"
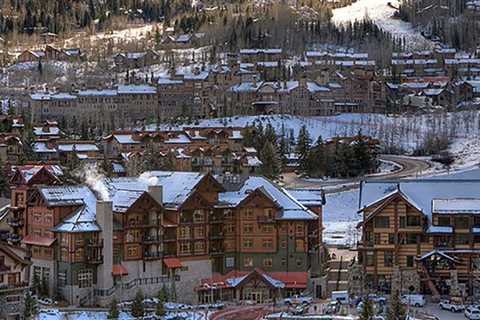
{"x": 216, "y": 236}
{"x": 14, "y": 238}
{"x": 94, "y": 259}
{"x": 13, "y": 287}
{"x": 217, "y": 251}
{"x": 152, "y": 239}
{"x": 15, "y": 222}
{"x": 152, "y": 255}
{"x": 265, "y": 219}
{"x": 95, "y": 243}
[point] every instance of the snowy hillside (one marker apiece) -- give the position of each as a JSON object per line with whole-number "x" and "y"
{"x": 380, "y": 12}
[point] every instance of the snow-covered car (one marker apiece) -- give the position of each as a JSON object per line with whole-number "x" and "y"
{"x": 295, "y": 300}
{"x": 451, "y": 306}
{"x": 472, "y": 313}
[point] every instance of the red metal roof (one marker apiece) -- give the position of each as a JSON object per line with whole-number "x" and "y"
{"x": 119, "y": 270}
{"x": 38, "y": 241}
{"x": 172, "y": 263}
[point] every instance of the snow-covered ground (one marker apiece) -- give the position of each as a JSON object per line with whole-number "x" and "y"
{"x": 340, "y": 218}
{"x": 380, "y": 12}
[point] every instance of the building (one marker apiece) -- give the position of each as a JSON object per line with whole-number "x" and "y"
{"x": 420, "y": 236}
{"x": 14, "y": 266}
{"x": 167, "y": 229}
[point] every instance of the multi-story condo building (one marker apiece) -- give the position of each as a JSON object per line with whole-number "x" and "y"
{"x": 166, "y": 229}
{"x": 103, "y": 108}
{"x": 420, "y": 236}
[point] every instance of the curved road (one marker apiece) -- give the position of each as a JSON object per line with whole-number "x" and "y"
{"x": 410, "y": 168}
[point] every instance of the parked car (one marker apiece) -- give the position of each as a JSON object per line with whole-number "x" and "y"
{"x": 377, "y": 299}
{"x": 296, "y": 300}
{"x": 472, "y": 313}
{"x": 452, "y": 305}
{"x": 341, "y": 296}
{"x": 416, "y": 300}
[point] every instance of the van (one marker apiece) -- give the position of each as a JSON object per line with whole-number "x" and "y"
{"x": 416, "y": 300}
{"x": 341, "y": 296}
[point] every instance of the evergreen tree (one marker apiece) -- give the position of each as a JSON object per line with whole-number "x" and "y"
{"x": 138, "y": 307}
{"x": 30, "y": 309}
{"x": 363, "y": 158}
{"x": 303, "y": 147}
{"x": 173, "y": 291}
{"x": 248, "y": 137}
{"x": 3, "y": 180}
{"x": 270, "y": 161}
{"x": 396, "y": 310}
{"x": 160, "y": 310}
{"x": 113, "y": 312}
{"x": 367, "y": 309}
{"x": 163, "y": 294}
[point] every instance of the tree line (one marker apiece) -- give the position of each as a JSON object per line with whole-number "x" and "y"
{"x": 339, "y": 158}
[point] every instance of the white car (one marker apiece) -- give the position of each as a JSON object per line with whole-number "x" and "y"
{"x": 454, "y": 307}
{"x": 472, "y": 313}
{"x": 416, "y": 300}
{"x": 296, "y": 300}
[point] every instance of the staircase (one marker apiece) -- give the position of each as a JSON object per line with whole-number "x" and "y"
{"x": 426, "y": 277}
{"x": 337, "y": 276}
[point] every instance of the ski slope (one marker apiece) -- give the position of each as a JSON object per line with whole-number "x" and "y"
{"x": 382, "y": 14}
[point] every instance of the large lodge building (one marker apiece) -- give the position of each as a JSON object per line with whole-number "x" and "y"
{"x": 160, "y": 229}
{"x": 421, "y": 235}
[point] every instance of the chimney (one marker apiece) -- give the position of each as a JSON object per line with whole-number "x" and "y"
{"x": 104, "y": 215}
{"x": 156, "y": 191}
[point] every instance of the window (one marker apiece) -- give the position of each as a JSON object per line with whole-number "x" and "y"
{"x": 267, "y": 228}
{"x": 370, "y": 261}
{"x": 388, "y": 259}
{"x": 248, "y": 228}
{"x": 299, "y": 245}
{"x": 199, "y": 232}
{"x": 199, "y": 247}
{"x": 184, "y": 232}
{"x": 299, "y": 262}
{"x": 299, "y": 229}
{"x": 284, "y": 261}
{"x": 184, "y": 248}
{"x": 410, "y": 260}
{"x": 382, "y": 222}
{"x": 403, "y": 222}
{"x": 62, "y": 279}
{"x": 411, "y": 238}
{"x": 269, "y": 213}
{"x": 461, "y": 238}
{"x": 267, "y": 243}
{"x": 248, "y": 213}
{"x": 198, "y": 216}
{"x": 267, "y": 262}
{"x": 248, "y": 243}
{"x": 413, "y": 221}
{"x": 85, "y": 278}
{"x": 377, "y": 238}
{"x": 443, "y": 221}
{"x": 229, "y": 262}
{"x": 391, "y": 238}
{"x": 229, "y": 228}
{"x": 461, "y": 223}
{"x": 283, "y": 244}
{"x": 247, "y": 262}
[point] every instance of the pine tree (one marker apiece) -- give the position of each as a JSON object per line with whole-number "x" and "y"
{"x": 160, "y": 310}
{"x": 30, "y": 309}
{"x": 303, "y": 147}
{"x": 270, "y": 161}
{"x": 396, "y": 310}
{"x": 138, "y": 308}
{"x": 163, "y": 294}
{"x": 113, "y": 313}
{"x": 367, "y": 309}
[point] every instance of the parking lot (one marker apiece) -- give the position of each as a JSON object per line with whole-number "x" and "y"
{"x": 434, "y": 309}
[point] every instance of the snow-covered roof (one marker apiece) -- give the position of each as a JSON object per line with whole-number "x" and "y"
{"x": 29, "y": 171}
{"x": 314, "y": 87}
{"x": 177, "y": 187}
{"x": 440, "y": 229}
{"x": 260, "y": 51}
{"x": 43, "y": 96}
{"x": 136, "y": 89}
{"x": 46, "y": 131}
{"x": 41, "y": 147}
{"x": 456, "y": 205}
{"x": 420, "y": 192}
{"x": 253, "y": 161}
{"x": 291, "y": 208}
{"x": 79, "y": 147}
{"x": 84, "y": 218}
{"x": 179, "y": 139}
{"x": 125, "y": 139}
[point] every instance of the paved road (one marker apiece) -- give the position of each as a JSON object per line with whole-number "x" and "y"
{"x": 410, "y": 168}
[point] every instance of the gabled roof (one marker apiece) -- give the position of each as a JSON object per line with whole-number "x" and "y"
{"x": 27, "y": 173}
{"x": 291, "y": 209}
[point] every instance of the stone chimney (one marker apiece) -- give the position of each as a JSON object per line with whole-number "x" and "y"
{"x": 156, "y": 192}
{"x": 104, "y": 213}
